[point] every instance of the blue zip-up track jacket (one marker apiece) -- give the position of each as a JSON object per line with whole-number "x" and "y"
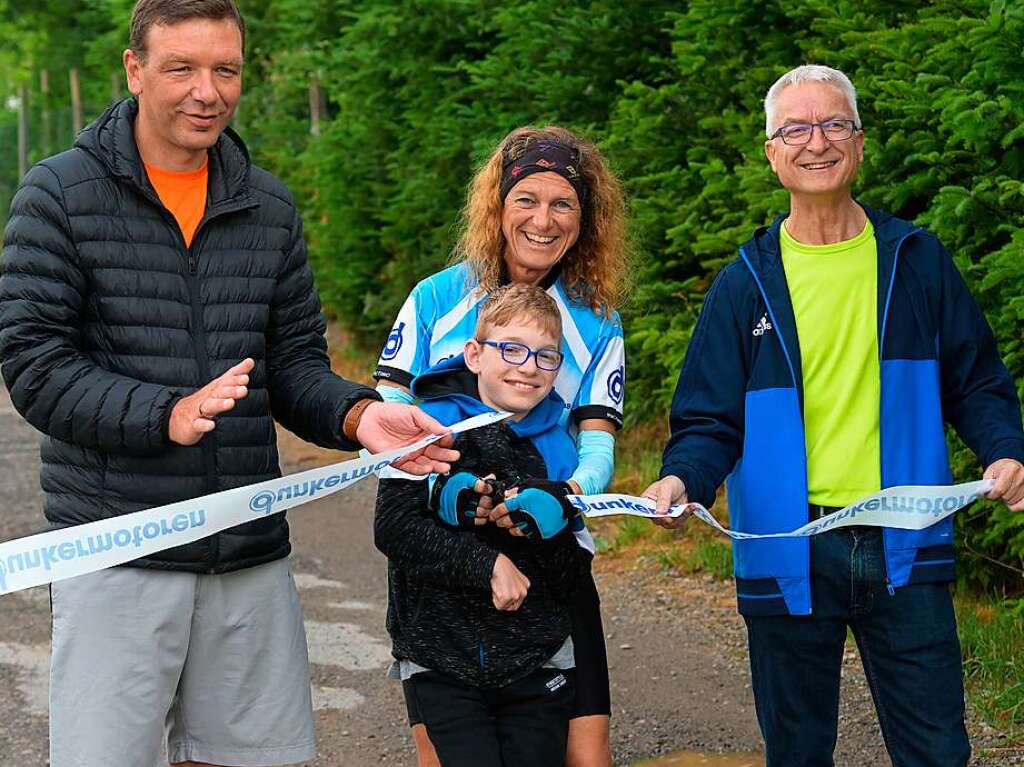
{"x": 738, "y": 406}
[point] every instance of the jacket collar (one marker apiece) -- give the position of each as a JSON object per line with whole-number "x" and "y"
{"x": 764, "y": 251}
{"x": 111, "y": 139}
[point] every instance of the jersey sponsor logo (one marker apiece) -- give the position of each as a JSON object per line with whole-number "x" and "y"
{"x": 763, "y": 326}
{"x": 616, "y": 381}
{"x": 394, "y": 343}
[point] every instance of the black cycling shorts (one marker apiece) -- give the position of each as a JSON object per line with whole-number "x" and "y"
{"x": 526, "y": 722}
{"x": 593, "y": 694}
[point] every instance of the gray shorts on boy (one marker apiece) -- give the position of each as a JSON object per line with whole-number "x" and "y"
{"x": 212, "y": 668}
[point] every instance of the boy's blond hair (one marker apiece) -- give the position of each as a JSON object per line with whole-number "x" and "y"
{"x": 517, "y": 301}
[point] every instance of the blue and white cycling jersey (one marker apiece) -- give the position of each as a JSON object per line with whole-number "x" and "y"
{"x": 440, "y": 315}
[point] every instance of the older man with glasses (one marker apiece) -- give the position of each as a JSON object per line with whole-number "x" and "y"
{"x": 825, "y": 362}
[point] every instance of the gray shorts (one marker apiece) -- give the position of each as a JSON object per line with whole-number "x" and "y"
{"x": 212, "y": 668}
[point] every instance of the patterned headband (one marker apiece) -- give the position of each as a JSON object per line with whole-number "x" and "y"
{"x": 544, "y": 157}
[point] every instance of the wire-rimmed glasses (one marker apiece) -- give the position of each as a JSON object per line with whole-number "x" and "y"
{"x": 796, "y": 134}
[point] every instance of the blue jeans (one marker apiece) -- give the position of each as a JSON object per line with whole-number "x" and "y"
{"x": 908, "y": 645}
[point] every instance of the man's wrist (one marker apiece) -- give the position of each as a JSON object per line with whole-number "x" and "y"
{"x": 686, "y": 479}
{"x": 165, "y": 426}
{"x": 350, "y": 423}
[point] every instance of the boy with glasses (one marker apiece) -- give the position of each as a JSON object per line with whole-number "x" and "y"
{"x": 480, "y": 617}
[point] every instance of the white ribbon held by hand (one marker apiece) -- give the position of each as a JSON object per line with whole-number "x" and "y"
{"x": 909, "y": 507}
{"x": 71, "y": 551}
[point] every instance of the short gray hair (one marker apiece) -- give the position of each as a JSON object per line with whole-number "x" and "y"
{"x": 805, "y": 74}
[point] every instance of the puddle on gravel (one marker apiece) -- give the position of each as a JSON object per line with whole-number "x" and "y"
{"x": 695, "y": 759}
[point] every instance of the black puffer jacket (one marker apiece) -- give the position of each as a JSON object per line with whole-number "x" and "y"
{"x": 107, "y": 319}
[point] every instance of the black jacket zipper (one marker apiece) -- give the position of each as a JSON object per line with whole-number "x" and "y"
{"x": 208, "y": 443}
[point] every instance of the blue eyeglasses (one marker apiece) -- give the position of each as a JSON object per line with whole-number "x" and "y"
{"x": 515, "y": 353}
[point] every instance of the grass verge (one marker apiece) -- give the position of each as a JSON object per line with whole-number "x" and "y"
{"x": 992, "y": 641}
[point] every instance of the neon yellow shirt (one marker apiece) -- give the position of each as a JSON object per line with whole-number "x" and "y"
{"x": 835, "y": 301}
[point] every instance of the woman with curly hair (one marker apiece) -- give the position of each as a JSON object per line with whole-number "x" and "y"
{"x": 544, "y": 209}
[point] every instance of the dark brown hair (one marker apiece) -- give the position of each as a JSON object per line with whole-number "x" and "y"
{"x": 168, "y": 12}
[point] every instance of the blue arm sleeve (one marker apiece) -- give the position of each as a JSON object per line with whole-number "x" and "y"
{"x": 395, "y": 394}
{"x": 596, "y": 451}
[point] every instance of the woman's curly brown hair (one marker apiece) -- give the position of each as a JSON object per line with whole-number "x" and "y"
{"x": 595, "y": 269}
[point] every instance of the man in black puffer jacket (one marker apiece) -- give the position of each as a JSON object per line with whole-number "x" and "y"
{"x": 157, "y": 313}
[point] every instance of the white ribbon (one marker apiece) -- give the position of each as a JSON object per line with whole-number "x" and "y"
{"x": 909, "y": 507}
{"x": 58, "y": 554}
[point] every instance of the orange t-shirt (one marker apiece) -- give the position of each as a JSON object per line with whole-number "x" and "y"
{"x": 183, "y": 194}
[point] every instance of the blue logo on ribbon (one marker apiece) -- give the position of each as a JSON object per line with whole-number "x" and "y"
{"x": 263, "y": 502}
{"x": 3, "y": 577}
{"x": 394, "y": 342}
{"x": 616, "y": 381}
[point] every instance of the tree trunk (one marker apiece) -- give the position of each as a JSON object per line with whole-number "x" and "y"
{"x": 76, "y": 103}
{"x": 115, "y": 85}
{"x": 317, "y": 105}
{"x": 46, "y": 140}
{"x": 22, "y": 130}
